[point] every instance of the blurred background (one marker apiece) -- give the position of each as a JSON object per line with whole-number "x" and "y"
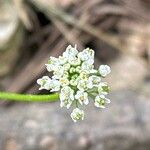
{"x": 118, "y": 30}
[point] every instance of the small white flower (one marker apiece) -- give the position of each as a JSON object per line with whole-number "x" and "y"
{"x": 66, "y": 97}
{"x": 82, "y": 85}
{"x": 74, "y": 61}
{"x": 66, "y": 103}
{"x": 100, "y": 101}
{"x": 70, "y": 52}
{"x": 62, "y": 60}
{"x": 93, "y": 81}
{"x": 58, "y": 72}
{"x": 103, "y": 88}
{"x": 44, "y": 82}
{"x": 66, "y": 93}
{"x": 52, "y": 63}
{"x": 64, "y": 81}
{"x": 77, "y": 114}
{"x": 86, "y": 54}
{"x": 87, "y": 67}
{"x": 82, "y": 97}
{"x": 84, "y": 75}
{"x": 104, "y": 70}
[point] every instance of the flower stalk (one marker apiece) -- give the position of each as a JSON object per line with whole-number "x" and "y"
{"x": 28, "y": 97}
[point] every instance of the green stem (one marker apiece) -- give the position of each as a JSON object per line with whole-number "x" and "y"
{"x": 28, "y": 97}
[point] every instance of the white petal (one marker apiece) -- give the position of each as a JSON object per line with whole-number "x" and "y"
{"x": 86, "y": 101}
{"x": 107, "y": 100}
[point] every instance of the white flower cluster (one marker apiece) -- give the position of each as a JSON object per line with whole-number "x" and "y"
{"x": 75, "y": 78}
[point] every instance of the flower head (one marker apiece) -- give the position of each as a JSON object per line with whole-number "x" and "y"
{"x": 76, "y": 79}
